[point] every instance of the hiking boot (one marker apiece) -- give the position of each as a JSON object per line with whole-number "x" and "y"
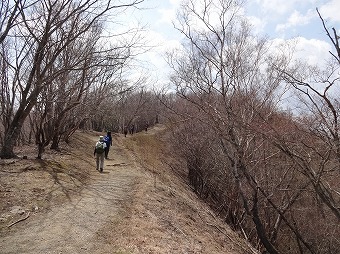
{"x": 101, "y": 170}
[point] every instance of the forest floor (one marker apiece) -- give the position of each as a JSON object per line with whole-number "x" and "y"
{"x": 139, "y": 204}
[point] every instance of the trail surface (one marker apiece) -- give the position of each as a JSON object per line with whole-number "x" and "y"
{"x": 73, "y": 227}
{"x": 139, "y": 204}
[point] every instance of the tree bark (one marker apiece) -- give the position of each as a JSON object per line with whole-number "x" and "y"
{"x": 12, "y": 133}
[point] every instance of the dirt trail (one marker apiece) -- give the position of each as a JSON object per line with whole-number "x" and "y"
{"x": 73, "y": 227}
{"x": 137, "y": 205}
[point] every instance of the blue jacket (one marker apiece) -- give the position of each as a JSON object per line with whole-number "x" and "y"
{"x": 108, "y": 140}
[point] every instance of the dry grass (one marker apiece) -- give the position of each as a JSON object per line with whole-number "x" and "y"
{"x": 161, "y": 215}
{"x": 167, "y": 217}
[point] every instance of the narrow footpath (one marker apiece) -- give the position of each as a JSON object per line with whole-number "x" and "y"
{"x": 75, "y": 226}
{"x": 139, "y": 204}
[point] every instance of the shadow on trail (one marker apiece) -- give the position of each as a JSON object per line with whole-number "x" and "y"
{"x": 67, "y": 180}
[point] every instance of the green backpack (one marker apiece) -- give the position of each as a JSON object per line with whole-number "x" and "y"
{"x": 100, "y": 147}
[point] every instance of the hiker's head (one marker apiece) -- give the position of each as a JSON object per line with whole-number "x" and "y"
{"x": 101, "y": 138}
{"x": 109, "y": 133}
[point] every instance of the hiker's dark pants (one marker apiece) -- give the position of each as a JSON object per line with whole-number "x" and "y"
{"x": 107, "y": 149}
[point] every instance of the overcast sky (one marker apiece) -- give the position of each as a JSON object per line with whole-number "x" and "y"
{"x": 279, "y": 20}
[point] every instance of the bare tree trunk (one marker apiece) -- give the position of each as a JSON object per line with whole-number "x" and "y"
{"x": 55, "y": 141}
{"x": 13, "y": 132}
{"x": 261, "y": 232}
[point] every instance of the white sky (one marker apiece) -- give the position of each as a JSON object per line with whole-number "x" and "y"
{"x": 280, "y": 20}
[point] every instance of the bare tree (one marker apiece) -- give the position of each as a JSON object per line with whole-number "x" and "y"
{"x": 226, "y": 75}
{"x": 46, "y": 30}
{"x": 221, "y": 65}
{"x": 9, "y": 12}
{"x": 318, "y": 156}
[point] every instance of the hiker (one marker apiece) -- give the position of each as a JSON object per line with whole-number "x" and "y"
{"x": 125, "y": 131}
{"x": 99, "y": 152}
{"x": 108, "y": 141}
{"x": 132, "y": 129}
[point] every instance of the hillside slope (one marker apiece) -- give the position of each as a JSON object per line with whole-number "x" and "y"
{"x": 138, "y": 205}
